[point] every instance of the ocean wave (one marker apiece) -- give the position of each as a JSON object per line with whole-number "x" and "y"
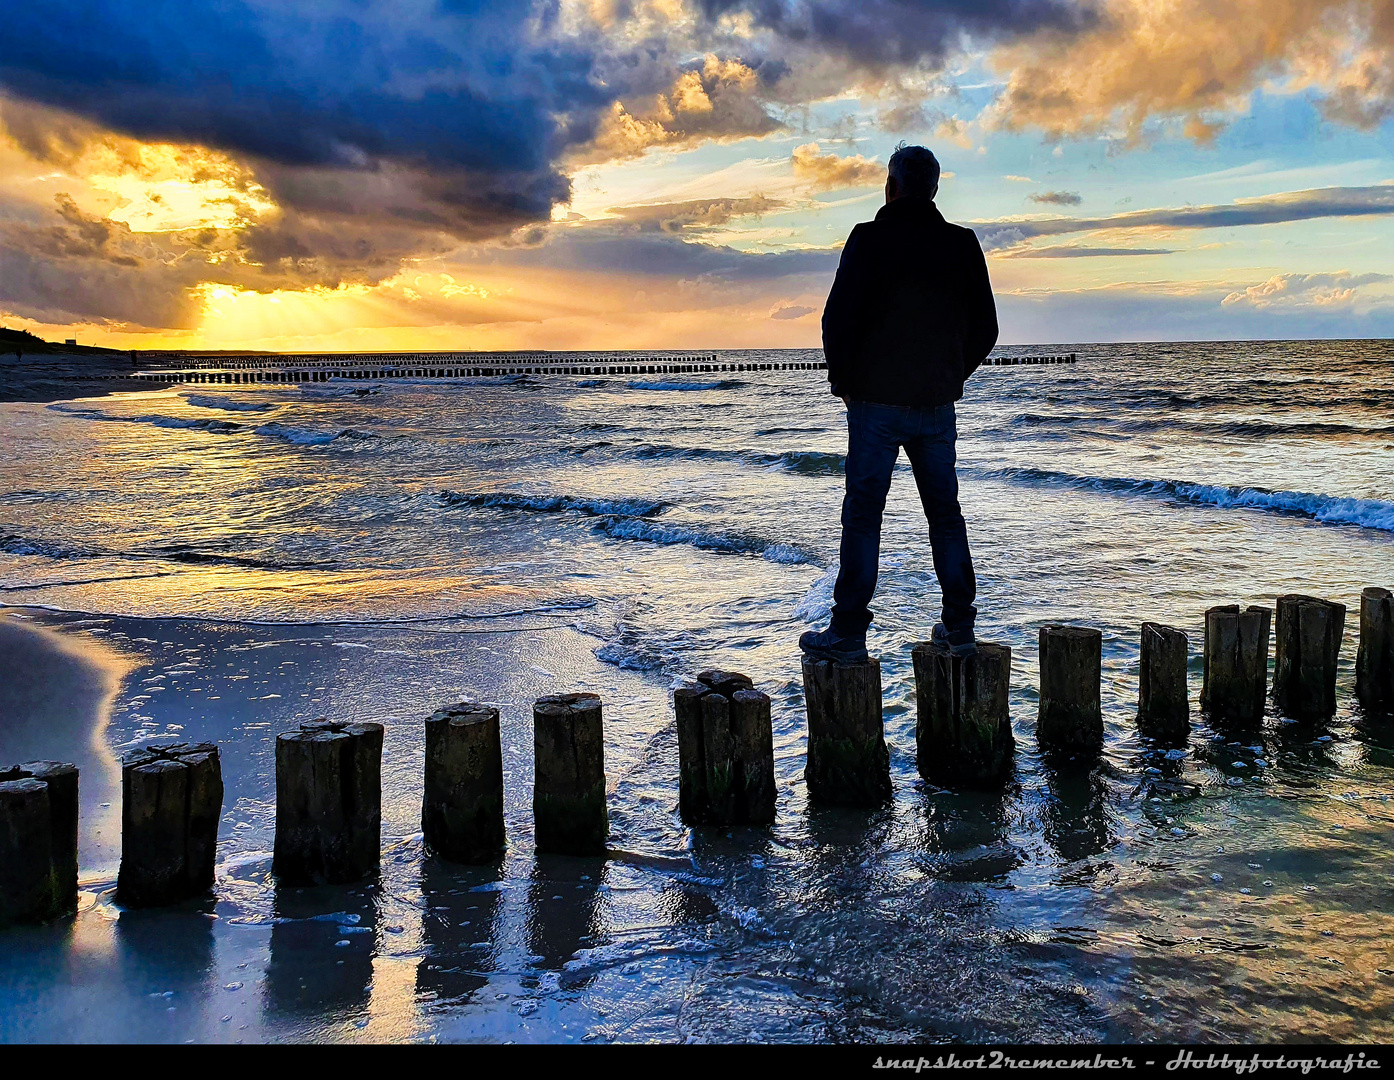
{"x": 1328, "y": 509}
{"x": 556, "y": 504}
{"x": 208, "y": 401}
{"x": 307, "y": 437}
{"x": 1254, "y": 429}
{"x": 719, "y": 384}
{"x": 807, "y": 462}
{"x": 730, "y": 543}
{"x": 11, "y": 544}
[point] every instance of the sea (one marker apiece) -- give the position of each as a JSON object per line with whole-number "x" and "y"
{"x": 377, "y": 549}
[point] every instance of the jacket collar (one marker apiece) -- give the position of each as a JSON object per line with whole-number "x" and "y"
{"x": 911, "y": 208}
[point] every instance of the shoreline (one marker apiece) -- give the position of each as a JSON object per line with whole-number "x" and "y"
{"x": 55, "y": 704}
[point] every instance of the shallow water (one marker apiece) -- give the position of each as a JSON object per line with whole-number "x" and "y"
{"x": 266, "y": 555}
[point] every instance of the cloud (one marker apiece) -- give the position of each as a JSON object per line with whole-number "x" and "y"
{"x": 1082, "y": 252}
{"x": 1262, "y": 210}
{"x": 603, "y": 247}
{"x": 718, "y": 100}
{"x": 1197, "y": 62}
{"x": 696, "y": 214}
{"x": 875, "y": 33}
{"x": 828, "y": 172}
{"x": 1304, "y": 290}
{"x": 787, "y": 310}
{"x": 1057, "y": 198}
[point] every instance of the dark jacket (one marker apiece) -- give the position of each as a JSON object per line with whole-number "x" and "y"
{"x": 911, "y": 313}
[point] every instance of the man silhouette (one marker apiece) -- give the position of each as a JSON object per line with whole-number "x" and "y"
{"x": 909, "y": 318}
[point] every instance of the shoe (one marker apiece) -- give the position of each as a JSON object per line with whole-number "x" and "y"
{"x": 964, "y": 647}
{"x": 830, "y": 645}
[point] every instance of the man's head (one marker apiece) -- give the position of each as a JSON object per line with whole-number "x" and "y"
{"x": 912, "y": 172}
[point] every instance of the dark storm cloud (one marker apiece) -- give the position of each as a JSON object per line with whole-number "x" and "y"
{"x": 875, "y": 33}
{"x": 1264, "y": 210}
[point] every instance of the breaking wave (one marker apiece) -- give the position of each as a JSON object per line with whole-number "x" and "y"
{"x": 556, "y": 504}
{"x": 1329, "y": 509}
{"x": 731, "y": 543}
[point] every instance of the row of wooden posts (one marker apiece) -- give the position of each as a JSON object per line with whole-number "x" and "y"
{"x": 328, "y": 774}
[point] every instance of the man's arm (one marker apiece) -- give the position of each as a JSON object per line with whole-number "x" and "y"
{"x": 981, "y": 310}
{"x": 842, "y": 315}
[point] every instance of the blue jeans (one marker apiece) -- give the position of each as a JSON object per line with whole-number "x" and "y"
{"x": 875, "y": 434}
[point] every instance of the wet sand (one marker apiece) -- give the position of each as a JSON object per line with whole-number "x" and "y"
{"x": 56, "y": 696}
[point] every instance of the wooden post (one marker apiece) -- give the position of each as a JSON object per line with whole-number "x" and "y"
{"x": 568, "y": 794}
{"x": 692, "y": 760}
{"x": 1163, "y": 707}
{"x": 26, "y": 854}
{"x": 848, "y": 764}
{"x": 462, "y": 801}
{"x": 725, "y": 751}
{"x": 1236, "y": 664}
{"x": 1308, "y": 633}
{"x": 171, "y": 801}
{"x": 61, "y": 778}
{"x": 1070, "y": 719}
{"x": 719, "y": 752}
{"x": 753, "y": 736}
{"x": 1374, "y": 662}
{"x": 963, "y": 726}
{"x": 328, "y": 803}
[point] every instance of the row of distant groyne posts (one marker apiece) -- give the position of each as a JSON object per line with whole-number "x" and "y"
{"x": 259, "y": 371}
{"x": 329, "y": 796}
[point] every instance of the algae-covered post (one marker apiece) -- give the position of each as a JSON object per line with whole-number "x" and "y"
{"x": 1070, "y": 717}
{"x": 568, "y": 794}
{"x": 171, "y": 801}
{"x": 1374, "y": 661}
{"x": 328, "y": 803}
{"x": 1235, "y": 685}
{"x": 848, "y": 763}
{"x": 725, "y": 751}
{"x": 1163, "y": 707}
{"x": 1308, "y": 634}
{"x": 963, "y": 727}
{"x": 462, "y": 799}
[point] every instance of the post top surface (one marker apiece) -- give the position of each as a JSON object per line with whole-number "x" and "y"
{"x": 341, "y": 727}
{"x": 567, "y": 702}
{"x": 463, "y": 714}
{"x": 1374, "y": 592}
{"x": 40, "y": 769}
{"x": 869, "y": 662}
{"x": 25, "y": 786}
{"x": 1302, "y": 600}
{"x": 749, "y": 695}
{"x": 1063, "y": 630}
{"x": 322, "y": 735}
{"x": 990, "y": 647}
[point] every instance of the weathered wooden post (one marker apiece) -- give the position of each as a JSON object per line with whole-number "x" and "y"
{"x": 27, "y": 884}
{"x": 963, "y": 727}
{"x": 462, "y": 801}
{"x": 725, "y": 751}
{"x": 1374, "y": 661}
{"x": 1308, "y": 633}
{"x": 848, "y": 763}
{"x": 753, "y": 735}
{"x": 61, "y": 778}
{"x": 1236, "y": 664}
{"x": 328, "y": 803}
{"x": 1163, "y": 707}
{"x": 1070, "y": 718}
{"x": 568, "y": 794}
{"x": 171, "y": 800}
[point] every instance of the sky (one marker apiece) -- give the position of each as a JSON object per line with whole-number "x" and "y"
{"x": 364, "y": 175}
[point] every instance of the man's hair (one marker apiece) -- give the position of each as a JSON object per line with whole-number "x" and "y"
{"x": 915, "y": 171}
